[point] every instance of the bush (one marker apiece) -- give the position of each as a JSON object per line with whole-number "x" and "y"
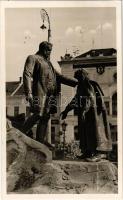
{"x": 69, "y": 150}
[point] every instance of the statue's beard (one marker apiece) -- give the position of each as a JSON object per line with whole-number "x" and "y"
{"x": 47, "y": 57}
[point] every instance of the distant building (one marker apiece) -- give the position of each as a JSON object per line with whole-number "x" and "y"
{"x": 101, "y": 65}
{"x": 15, "y": 99}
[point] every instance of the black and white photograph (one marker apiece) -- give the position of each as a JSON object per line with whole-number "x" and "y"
{"x": 62, "y": 111}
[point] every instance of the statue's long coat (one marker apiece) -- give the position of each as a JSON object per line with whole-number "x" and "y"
{"x": 42, "y": 81}
{"x": 94, "y": 130}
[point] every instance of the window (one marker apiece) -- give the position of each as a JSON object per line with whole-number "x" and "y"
{"x": 113, "y": 132}
{"x": 114, "y": 104}
{"x": 16, "y": 110}
{"x": 75, "y": 111}
{"x": 76, "y": 135}
{"x": 27, "y": 111}
{"x": 52, "y": 134}
{"x": 107, "y": 107}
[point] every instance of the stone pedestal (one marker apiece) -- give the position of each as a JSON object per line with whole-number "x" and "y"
{"x": 30, "y": 170}
{"x": 65, "y": 177}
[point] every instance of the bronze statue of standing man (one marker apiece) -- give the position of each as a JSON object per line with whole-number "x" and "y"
{"x": 41, "y": 85}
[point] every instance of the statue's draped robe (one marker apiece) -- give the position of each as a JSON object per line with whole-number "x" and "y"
{"x": 93, "y": 129}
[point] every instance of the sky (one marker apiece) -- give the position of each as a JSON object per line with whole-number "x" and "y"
{"x": 72, "y": 29}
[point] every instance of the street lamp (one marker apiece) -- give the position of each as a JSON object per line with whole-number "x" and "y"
{"x": 45, "y": 16}
{"x": 64, "y": 125}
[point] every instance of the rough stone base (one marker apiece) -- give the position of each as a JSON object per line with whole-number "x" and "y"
{"x": 68, "y": 177}
{"x": 30, "y": 170}
{"x": 23, "y": 156}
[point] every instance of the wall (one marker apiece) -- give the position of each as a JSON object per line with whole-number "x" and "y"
{"x": 13, "y": 101}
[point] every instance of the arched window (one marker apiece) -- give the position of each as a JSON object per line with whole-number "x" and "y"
{"x": 76, "y": 135}
{"x": 28, "y": 111}
{"x": 114, "y": 104}
{"x": 113, "y": 132}
{"x": 53, "y": 134}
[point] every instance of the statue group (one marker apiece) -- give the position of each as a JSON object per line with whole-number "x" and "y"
{"x": 41, "y": 86}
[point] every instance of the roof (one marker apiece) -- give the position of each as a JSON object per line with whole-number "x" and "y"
{"x": 15, "y": 88}
{"x": 93, "y": 58}
{"x": 11, "y": 86}
{"x": 20, "y": 91}
{"x": 98, "y": 52}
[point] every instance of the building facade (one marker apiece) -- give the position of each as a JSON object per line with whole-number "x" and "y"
{"x": 101, "y": 66}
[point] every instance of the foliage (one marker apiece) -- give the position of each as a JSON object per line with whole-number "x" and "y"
{"x": 71, "y": 150}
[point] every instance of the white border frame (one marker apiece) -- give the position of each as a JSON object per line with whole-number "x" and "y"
{"x": 37, "y": 4}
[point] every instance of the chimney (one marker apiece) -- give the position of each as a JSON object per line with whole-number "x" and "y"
{"x": 20, "y": 79}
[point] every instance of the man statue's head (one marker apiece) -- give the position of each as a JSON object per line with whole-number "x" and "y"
{"x": 45, "y": 49}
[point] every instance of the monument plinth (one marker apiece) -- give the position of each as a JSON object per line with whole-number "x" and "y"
{"x": 30, "y": 170}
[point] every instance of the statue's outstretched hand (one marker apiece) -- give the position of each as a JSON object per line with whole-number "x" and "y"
{"x": 63, "y": 115}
